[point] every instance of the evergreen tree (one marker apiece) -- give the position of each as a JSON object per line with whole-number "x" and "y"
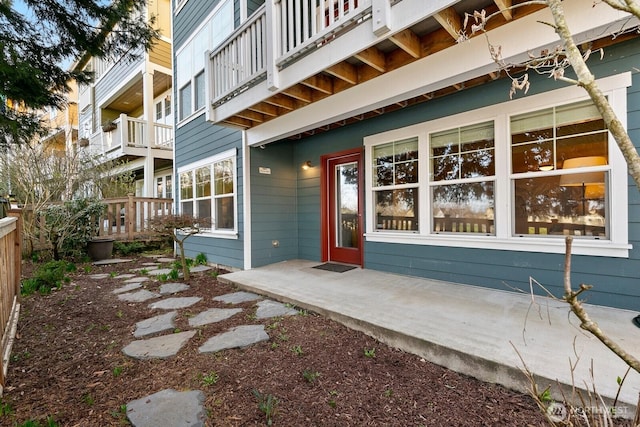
{"x": 37, "y": 39}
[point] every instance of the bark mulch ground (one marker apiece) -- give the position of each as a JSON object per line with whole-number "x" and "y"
{"x": 67, "y": 363}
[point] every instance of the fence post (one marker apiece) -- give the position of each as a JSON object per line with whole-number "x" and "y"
{"x": 131, "y": 212}
{"x": 17, "y": 258}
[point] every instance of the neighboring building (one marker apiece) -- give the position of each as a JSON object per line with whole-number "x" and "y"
{"x": 126, "y": 115}
{"x": 362, "y": 132}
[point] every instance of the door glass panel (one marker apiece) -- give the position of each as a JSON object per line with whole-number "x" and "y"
{"x": 347, "y": 205}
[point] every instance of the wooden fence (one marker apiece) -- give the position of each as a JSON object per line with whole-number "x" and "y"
{"x": 124, "y": 219}
{"x": 10, "y": 271}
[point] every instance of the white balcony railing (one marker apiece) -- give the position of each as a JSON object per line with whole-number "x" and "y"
{"x": 289, "y": 28}
{"x": 131, "y": 134}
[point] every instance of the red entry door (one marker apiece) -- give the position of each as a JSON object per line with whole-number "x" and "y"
{"x": 344, "y": 207}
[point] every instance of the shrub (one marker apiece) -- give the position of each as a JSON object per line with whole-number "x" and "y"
{"x": 127, "y": 248}
{"x": 48, "y": 276}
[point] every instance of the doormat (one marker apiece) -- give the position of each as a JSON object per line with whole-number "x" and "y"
{"x": 336, "y": 268}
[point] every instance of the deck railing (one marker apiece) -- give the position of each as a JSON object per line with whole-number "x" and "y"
{"x": 288, "y": 28}
{"x": 10, "y": 270}
{"x": 124, "y": 219}
{"x": 130, "y": 133}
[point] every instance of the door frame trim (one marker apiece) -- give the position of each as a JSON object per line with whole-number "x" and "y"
{"x": 324, "y": 201}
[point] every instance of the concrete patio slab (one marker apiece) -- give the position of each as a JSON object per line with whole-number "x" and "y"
{"x": 111, "y": 261}
{"x": 469, "y": 329}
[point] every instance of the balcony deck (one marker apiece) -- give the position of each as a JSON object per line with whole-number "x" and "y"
{"x": 288, "y": 56}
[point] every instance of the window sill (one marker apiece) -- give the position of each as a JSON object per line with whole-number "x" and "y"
{"x": 190, "y": 117}
{"x": 523, "y": 244}
{"x": 220, "y": 234}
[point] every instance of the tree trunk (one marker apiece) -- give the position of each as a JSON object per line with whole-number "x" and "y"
{"x": 587, "y": 81}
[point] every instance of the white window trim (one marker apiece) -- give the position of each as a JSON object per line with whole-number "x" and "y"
{"x": 229, "y": 154}
{"x": 615, "y": 87}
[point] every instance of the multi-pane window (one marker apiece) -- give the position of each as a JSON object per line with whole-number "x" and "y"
{"x": 395, "y": 185}
{"x": 208, "y": 192}
{"x": 560, "y": 159}
{"x": 199, "y": 91}
{"x": 462, "y": 175}
{"x": 184, "y": 101}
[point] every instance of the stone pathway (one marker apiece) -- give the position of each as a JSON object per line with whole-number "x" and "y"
{"x": 154, "y": 338}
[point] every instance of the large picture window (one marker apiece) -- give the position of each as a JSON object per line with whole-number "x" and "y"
{"x": 521, "y": 175}
{"x": 208, "y": 191}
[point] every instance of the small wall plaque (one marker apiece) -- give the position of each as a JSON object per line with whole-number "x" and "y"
{"x": 265, "y": 171}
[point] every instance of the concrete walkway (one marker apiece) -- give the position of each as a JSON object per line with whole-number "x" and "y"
{"x": 469, "y": 329}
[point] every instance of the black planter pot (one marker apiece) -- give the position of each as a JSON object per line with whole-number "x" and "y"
{"x": 100, "y": 248}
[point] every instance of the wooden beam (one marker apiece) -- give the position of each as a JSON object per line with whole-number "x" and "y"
{"x": 299, "y": 92}
{"x": 238, "y": 122}
{"x": 408, "y": 41}
{"x": 282, "y": 102}
{"x": 373, "y": 58}
{"x": 344, "y": 71}
{"x": 450, "y": 21}
{"x": 251, "y": 115}
{"x": 505, "y": 8}
{"x": 320, "y": 83}
{"x": 266, "y": 109}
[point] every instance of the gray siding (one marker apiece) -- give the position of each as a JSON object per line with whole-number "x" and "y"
{"x": 115, "y": 76}
{"x": 615, "y": 280}
{"x": 197, "y": 140}
{"x": 253, "y": 5}
{"x": 273, "y": 205}
{"x": 189, "y": 17}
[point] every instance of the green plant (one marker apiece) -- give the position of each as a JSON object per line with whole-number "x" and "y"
{"x": 113, "y": 274}
{"x": 69, "y": 226}
{"x": 201, "y": 259}
{"x": 215, "y": 274}
{"x": 87, "y": 269}
{"x": 143, "y": 272}
{"x": 5, "y": 408}
{"x": 370, "y": 352}
{"x": 163, "y": 277}
{"x": 268, "y": 404}
{"x": 297, "y": 350}
{"x": 310, "y": 376}
{"x": 174, "y": 274}
{"x": 48, "y": 276}
{"x": 117, "y": 371}
{"x": 88, "y": 399}
{"x": 119, "y": 314}
{"x": 128, "y": 248}
{"x": 49, "y": 422}
{"x": 210, "y": 379}
{"x": 388, "y": 393}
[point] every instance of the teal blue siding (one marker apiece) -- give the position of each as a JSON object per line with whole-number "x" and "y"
{"x": 253, "y": 5}
{"x": 188, "y": 19}
{"x": 198, "y": 140}
{"x": 273, "y": 205}
{"x": 616, "y": 280}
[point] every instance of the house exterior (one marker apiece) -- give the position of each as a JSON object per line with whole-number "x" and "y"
{"x": 126, "y": 114}
{"x": 362, "y": 132}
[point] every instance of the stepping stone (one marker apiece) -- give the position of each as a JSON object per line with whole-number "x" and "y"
{"x": 136, "y": 270}
{"x": 136, "y": 280}
{"x": 124, "y": 276}
{"x": 240, "y": 336}
{"x": 159, "y": 271}
{"x": 99, "y": 276}
{"x": 159, "y": 347}
{"x": 269, "y": 308}
{"x": 213, "y": 315}
{"x": 237, "y": 297}
{"x": 168, "y": 408}
{"x": 139, "y": 296}
{"x": 199, "y": 268}
{"x": 178, "y": 302}
{"x": 163, "y": 322}
{"x": 150, "y": 264}
{"x": 172, "y": 288}
{"x": 165, "y": 259}
{"x": 111, "y": 261}
{"x": 127, "y": 288}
